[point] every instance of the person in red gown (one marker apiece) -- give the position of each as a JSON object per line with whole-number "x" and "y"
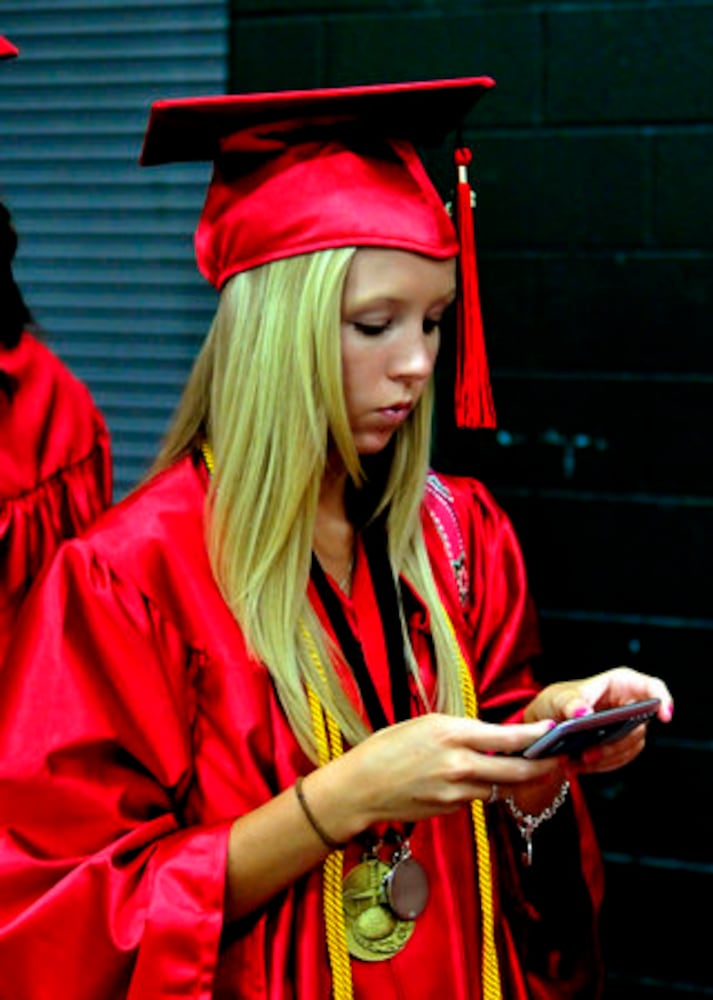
{"x": 260, "y": 731}
{"x": 55, "y": 460}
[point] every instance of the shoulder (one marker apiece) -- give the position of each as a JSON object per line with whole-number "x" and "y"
{"x": 52, "y": 421}
{"x": 464, "y": 528}
{"x": 36, "y": 365}
{"x": 139, "y": 578}
{"x": 148, "y": 552}
{"x": 466, "y": 499}
{"x": 464, "y": 522}
{"x": 160, "y": 521}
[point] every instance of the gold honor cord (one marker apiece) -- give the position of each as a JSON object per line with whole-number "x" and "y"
{"x": 492, "y": 987}
{"x": 207, "y": 453}
{"x": 329, "y": 744}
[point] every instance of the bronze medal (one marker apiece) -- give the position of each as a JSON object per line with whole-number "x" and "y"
{"x": 406, "y": 888}
{"x": 374, "y": 931}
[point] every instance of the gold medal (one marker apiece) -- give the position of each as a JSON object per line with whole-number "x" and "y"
{"x": 374, "y": 931}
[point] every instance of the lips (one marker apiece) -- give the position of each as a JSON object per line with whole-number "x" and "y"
{"x": 396, "y": 414}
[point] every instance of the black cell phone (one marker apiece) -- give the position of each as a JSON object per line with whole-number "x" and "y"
{"x": 571, "y": 737}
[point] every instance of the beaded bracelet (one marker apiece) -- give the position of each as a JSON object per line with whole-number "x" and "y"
{"x": 527, "y": 823}
{"x": 333, "y": 845}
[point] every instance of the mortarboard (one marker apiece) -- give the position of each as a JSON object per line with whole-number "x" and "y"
{"x": 7, "y": 49}
{"x": 300, "y": 171}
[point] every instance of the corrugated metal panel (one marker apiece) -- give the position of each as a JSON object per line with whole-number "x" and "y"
{"x": 106, "y": 258}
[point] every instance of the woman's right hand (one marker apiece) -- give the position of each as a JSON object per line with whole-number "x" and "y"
{"x": 424, "y": 767}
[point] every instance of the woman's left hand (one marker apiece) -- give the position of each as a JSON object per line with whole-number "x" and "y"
{"x": 575, "y": 698}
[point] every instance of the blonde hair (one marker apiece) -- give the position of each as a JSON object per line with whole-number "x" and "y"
{"x": 267, "y": 391}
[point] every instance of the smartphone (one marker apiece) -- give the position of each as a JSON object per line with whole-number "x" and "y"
{"x": 571, "y": 737}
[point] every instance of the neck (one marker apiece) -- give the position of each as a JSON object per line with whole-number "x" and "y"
{"x": 331, "y": 490}
{"x": 333, "y": 541}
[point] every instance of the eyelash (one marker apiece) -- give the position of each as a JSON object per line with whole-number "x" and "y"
{"x": 369, "y": 330}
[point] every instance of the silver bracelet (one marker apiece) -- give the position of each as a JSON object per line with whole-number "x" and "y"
{"x": 527, "y": 823}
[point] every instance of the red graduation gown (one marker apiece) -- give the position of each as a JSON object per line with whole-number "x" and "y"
{"x": 55, "y": 468}
{"x": 134, "y": 728}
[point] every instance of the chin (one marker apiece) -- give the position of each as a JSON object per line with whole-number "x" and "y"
{"x": 372, "y": 443}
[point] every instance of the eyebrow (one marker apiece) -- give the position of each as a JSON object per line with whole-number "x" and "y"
{"x": 377, "y": 301}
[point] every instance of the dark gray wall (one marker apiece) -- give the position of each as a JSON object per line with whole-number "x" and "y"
{"x": 596, "y": 259}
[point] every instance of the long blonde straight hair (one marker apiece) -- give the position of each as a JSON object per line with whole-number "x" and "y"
{"x": 267, "y": 391}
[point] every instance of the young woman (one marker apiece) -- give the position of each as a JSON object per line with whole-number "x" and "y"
{"x": 266, "y": 743}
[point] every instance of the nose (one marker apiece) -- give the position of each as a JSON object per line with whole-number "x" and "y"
{"x": 414, "y": 354}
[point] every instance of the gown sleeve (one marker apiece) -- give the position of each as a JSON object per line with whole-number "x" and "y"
{"x": 104, "y": 892}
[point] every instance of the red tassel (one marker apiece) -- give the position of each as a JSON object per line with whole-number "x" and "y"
{"x": 474, "y": 399}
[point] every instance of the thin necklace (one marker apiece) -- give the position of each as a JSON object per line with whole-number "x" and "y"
{"x": 345, "y": 583}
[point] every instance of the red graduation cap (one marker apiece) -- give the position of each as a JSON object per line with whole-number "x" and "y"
{"x": 300, "y": 171}
{"x": 7, "y": 49}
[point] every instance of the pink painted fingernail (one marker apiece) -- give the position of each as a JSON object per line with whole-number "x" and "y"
{"x": 582, "y": 710}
